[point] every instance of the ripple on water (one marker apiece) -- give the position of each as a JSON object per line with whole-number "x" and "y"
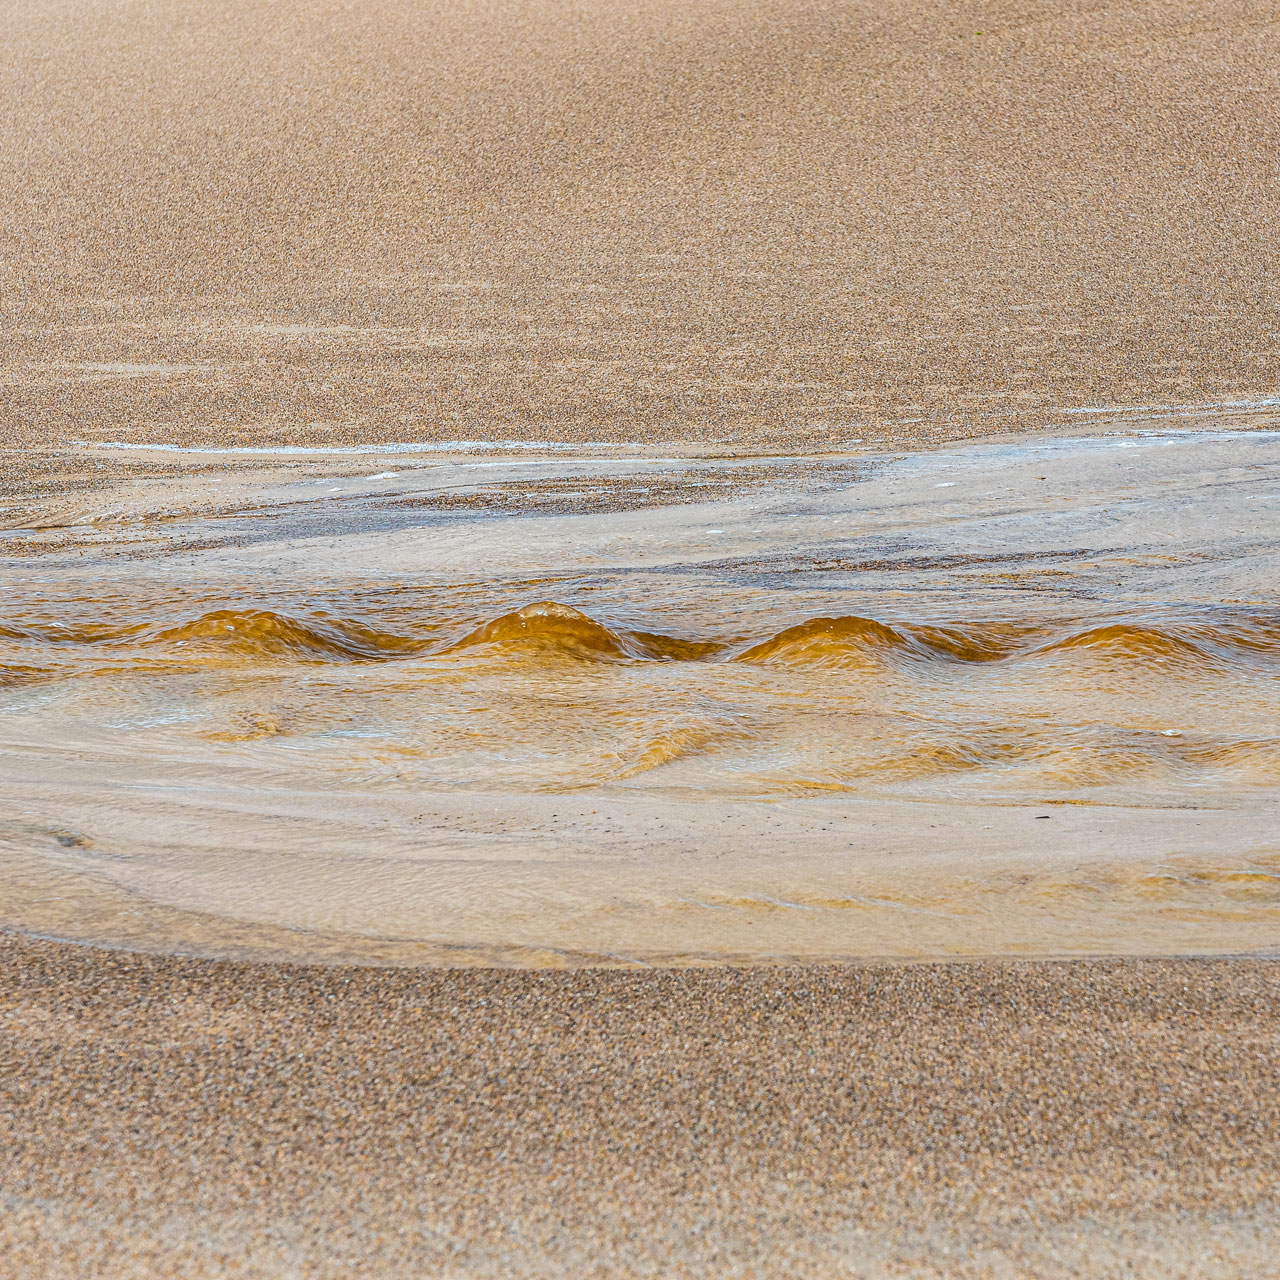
{"x": 550, "y": 695}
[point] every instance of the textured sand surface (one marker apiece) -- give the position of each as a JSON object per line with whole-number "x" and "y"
{"x": 175, "y": 1117}
{"x": 743, "y": 220}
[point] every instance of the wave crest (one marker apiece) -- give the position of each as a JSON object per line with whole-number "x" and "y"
{"x": 551, "y": 630}
{"x": 263, "y": 633}
{"x": 832, "y": 642}
{"x": 1168, "y": 645}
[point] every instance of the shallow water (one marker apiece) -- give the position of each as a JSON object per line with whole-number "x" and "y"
{"x": 1004, "y": 699}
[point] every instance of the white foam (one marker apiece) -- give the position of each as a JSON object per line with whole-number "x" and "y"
{"x": 1215, "y": 406}
{"x": 332, "y": 451}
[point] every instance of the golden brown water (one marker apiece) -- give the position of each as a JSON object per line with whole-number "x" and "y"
{"x": 346, "y": 744}
{"x": 546, "y": 696}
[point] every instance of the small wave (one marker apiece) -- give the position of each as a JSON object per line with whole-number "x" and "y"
{"x": 1127, "y": 641}
{"x": 854, "y": 640}
{"x": 1169, "y": 645}
{"x": 551, "y": 630}
{"x": 667, "y": 747}
{"x": 1258, "y": 758}
{"x": 262, "y": 633}
{"x": 825, "y": 642}
{"x": 59, "y": 633}
{"x": 548, "y": 628}
{"x": 13, "y": 676}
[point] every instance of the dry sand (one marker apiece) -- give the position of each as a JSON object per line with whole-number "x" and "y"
{"x": 740, "y": 220}
{"x": 171, "y": 1117}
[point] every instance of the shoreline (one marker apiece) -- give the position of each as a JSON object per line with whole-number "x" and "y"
{"x": 52, "y": 493}
{"x": 181, "y": 1117}
{"x": 713, "y": 280}
{"x": 408, "y": 721}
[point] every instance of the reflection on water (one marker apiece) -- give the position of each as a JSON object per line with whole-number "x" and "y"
{"x": 689, "y": 754}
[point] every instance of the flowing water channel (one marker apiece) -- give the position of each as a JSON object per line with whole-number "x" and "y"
{"x": 624, "y": 708}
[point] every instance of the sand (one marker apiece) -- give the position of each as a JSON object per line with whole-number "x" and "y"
{"x": 173, "y": 1117}
{"x": 728, "y": 220}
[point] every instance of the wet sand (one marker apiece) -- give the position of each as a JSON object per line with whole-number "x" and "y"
{"x": 173, "y": 1117}
{"x": 167, "y": 1116}
{"x": 182, "y": 1117}
{"x": 980, "y": 701}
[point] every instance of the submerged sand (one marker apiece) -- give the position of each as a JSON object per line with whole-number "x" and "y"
{"x": 173, "y": 1117}
{"x": 1008, "y": 699}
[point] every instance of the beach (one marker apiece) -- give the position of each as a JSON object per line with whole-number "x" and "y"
{"x": 556, "y": 708}
{"x": 173, "y": 1117}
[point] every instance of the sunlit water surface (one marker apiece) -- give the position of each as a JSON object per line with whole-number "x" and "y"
{"x": 1037, "y": 714}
